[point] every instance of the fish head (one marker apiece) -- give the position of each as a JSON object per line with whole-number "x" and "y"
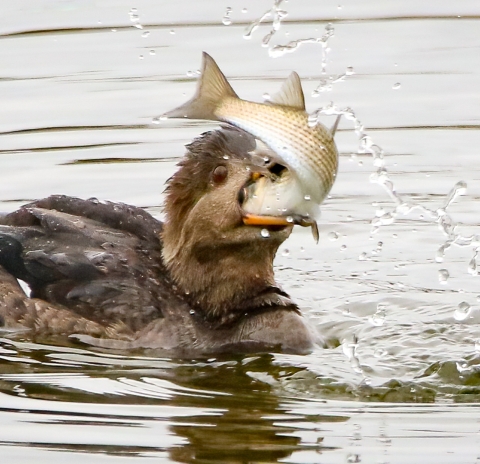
{"x": 276, "y": 196}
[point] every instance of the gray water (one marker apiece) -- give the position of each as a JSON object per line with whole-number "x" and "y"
{"x": 398, "y": 301}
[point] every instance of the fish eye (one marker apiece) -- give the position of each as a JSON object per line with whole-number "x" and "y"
{"x": 219, "y": 174}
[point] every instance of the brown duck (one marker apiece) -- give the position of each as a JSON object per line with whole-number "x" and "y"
{"x": 111, "y": 275}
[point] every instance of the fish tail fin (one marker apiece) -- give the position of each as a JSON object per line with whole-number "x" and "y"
{"x": 335, "y": 125}
{"x": 212, "y": 89}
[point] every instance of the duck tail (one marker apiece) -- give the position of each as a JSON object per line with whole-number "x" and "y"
{"x": 212, "y": 89}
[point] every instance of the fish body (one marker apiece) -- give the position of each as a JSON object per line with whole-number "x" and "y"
{"x": 309, "y": 152}
{"x": 282, "y": 124}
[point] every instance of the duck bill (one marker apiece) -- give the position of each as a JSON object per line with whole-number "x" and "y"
{"x": 265, "y": 221}
{"x": 264, "y": 194}
{"x": 259, "y": 220}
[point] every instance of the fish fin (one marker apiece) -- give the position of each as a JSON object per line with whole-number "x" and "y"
{"x": 212, "y": 88}
{"x": 333, "y": 129}
{"x": 290, "y": 94}
{"x": 315, "y": 233}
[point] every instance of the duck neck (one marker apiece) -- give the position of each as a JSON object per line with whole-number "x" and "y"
{"x": 221, "y": 281}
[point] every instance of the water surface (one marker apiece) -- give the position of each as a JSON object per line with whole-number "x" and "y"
{"x": 79, "y": 85}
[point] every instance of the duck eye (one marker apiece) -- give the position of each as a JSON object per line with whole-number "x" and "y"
{"x": 219, "y": 174}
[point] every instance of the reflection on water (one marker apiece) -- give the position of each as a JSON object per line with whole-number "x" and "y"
{"x": 396, "y": 297}
{"x": 75, "y": 403}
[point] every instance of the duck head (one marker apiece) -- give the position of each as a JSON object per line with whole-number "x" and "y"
{"x": 216, "y": 257}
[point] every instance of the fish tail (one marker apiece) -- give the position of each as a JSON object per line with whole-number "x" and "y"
{"x": 212, "y": 89}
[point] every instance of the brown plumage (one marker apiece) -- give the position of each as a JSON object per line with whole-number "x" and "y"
{"x": 111, "y": 275}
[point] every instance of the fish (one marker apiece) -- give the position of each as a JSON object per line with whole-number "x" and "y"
{"x": 308, "y": 151}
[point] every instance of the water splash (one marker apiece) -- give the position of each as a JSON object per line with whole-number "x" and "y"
{"x": 401, "y": 207}
{"x": 349, "y": 348}
{"x": 276, "y": 14}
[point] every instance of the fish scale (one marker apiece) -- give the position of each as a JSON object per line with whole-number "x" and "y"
{"x": 295, "y": 142}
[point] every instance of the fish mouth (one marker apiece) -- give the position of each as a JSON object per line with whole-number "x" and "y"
{"x": 266, "y": 200}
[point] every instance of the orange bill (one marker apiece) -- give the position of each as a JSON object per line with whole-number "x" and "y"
{"x": 256, "y": 220}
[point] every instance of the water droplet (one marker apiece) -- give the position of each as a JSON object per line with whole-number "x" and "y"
{"x": 462, "y": 312}
{"x": 307, "y": 197}
{"x": 156, "y": 120}
{"x": 265, "y": 233}
{"x": 353, "y": 458}
{"x": 343, "y": 247}
{"x": 141, "y": 57}
{"x": 226, "y": 20}
{"x": 380, "y": 353}
{"x": 396, "y": 86}
{"x": 333, "y": 236}
{"x": 362, "y": 256}
{"x": 472, "y": 266}
{"x": 443, "y": 276}
{"x": 349, "y": 349}
{"x": 462, "y": 367}
{"x": 477, "y": 345}
{"x": 172, "y": 31}
{"x": 289, "y": 219}
{"x": 133, "y": 15}
{"x": 461, "y": 188}
{"x": 266, "y": 96}
{"x": 378, "y": 319}
{"x": 440, "y": 254}
{"x": 114, "y": 30}
{"x": 192, "y": 311}
{"x": 349, "y": 72}
{"x": 244, "y": 10}
{"x": 145, "y": 34}
{"x": 152, "y": 52}
{"x": 302, "y": 249}
{"x": 312, "y": 119}
{"x": 286, "y": 252}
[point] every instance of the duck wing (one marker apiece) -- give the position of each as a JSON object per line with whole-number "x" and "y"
{"x": 98, "y": 261}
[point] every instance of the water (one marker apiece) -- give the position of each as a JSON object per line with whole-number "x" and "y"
{"x": 399, "y": 381}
